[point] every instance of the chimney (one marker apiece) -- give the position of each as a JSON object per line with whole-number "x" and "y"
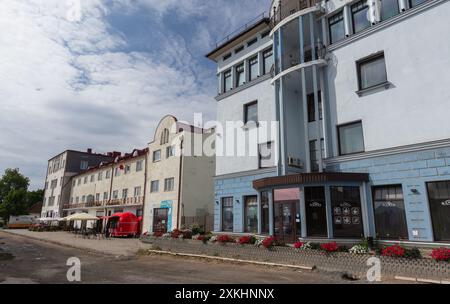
{"x": 89, "y": 150}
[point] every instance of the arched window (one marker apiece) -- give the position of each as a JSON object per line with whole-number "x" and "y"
{"x": 165, "y": 136}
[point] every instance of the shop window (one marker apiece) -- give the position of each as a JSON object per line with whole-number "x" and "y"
{"x": 251, "y": 214}
{"x": 389, "y": 209}
{"x": 347, "y": 216}
{"x": 439, "y": 200}
{"x": 316, "y": 212}
{"x": 227, "y": 214}
{"x": 265, "y": 212}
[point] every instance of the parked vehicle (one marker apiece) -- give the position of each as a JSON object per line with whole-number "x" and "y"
{"x": 123, "y": 224}
{"x": 20, "y": 221}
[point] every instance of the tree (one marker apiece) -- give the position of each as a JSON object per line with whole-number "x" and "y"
{"x": 34, "y": 197}
{"x": 12, "y": 180}
{"x": 13, "y": 194}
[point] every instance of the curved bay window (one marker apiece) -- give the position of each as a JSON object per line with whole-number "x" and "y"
{"x": 251, "y": 214}
{"x": 347, "y": 215}
{"x": 227, "y": 214}
{"x": 389, "y": 209}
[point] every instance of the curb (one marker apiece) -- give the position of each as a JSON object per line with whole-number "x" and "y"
{"x": 421, "y": 280}
{"x": 309, "y": 268}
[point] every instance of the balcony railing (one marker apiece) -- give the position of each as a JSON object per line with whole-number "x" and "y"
{"x": 114, "y": 202}
{"x": 288, "y": 7}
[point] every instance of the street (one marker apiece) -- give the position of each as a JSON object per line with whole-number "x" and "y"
{"x": 23, "y": 260}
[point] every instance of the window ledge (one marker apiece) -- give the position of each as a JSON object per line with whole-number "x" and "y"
{"x": 386, "y": 85}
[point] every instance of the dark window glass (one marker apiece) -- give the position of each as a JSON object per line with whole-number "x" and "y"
{"x": 239, "y": 49}
{"x": 253, "y": 64}
{"x": 251, "y": 42}
{"x": 439, "y": 197}
{"x": 240, "y": 75}
{"x": 265, "y": 212}
{"x": 351, "y": 138}
{"x": 389, "y": 8}
{"x": 227, "y": 81}
{"x": 312, "y": 107}
{"x": 251, "y": 112}
{"x": 372, "y": 72}
{"x": 265, "y": 34}
{"x": 251, "y": 214}
{"x": 227, "y": 214}
{"x": 413, "y": 3}
{"x": 227, "y": 56}
{"x": 336, "y": 27}
{"x": 316, "y": 213}
{"x": 268, "y": 61}
{"x": 360, "y": 18}
{"x": 347, "y": 218}
{"x": 313, "y": 156}
{"x": 389, "y": 208}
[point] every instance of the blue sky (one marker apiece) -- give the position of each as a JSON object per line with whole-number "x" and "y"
{"x": 105, "y": 79}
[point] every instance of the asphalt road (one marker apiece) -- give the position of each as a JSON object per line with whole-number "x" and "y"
{"x": 23, "y": 260}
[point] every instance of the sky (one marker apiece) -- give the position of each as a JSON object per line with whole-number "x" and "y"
{"x": 100, "y": 74}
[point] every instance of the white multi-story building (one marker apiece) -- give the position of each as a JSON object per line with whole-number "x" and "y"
{"x": 60, "y": 170}
{"x": 360, "y": 91}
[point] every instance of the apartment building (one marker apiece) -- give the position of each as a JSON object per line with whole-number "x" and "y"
{"x": 60, "y": 170}
{"x": 180, "y": 178}
{"x": 359, "y": 89}
{"x": 112, "y": 187}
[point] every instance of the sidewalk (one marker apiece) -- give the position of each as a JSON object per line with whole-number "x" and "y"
{"x": 111, "y": 246}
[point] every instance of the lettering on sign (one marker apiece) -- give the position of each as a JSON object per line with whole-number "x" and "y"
{"x": 315, "y": 204}
{"x": 446, "y": 203}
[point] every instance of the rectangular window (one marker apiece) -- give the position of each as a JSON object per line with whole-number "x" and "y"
{"x": 83, "y": 199}
{"x": 170, "y": 151}
{"x": 265, "y": 34}
{"x": 227, "y": 56}
{"x": 97, "y": 197}
{"x": 240, "y": 75}
{"x": 313, "y": 156}
{"x": 156, "y": 156}
{"x": 316, "y": 212}
{"x": 116, "y": 171}
{"x": 124, "y": 193}
{"x": 127, "y": 169}
{"x": 312, "y": 107}
{"x": 105, "y": 196}
{"x": 414, "y": 3}
{"x": 389, "y": 209}
{"x": 227, "y": 214}
{"x": 154, "y": 186}
{"x": 371, "y": 71}
{"x": 73, "y": 184}
{"x": 84, "y": 164}
{"x": 169, "y": 184}
{"x": 389, "y": 8}
{"x": 251, "y": 214}
{"x": 227, "y": 85}
{"x": 253, "y": 68}
{"x": 265, "y": 212}
{"x": 92, "y": 178}
{"x": 267, "y": 155}
{"x": 108, "y": 174}
{"x": 252, "y": 42}
{"x": 137, "y": 191}
{"x": 251, "y": 112}
{"x": 100, "y": 176}
{"x": 268, "y": 61}
{"x": 359, "y": 16}
{"x": 115, "y": 194}
{"x": 85, "y": 180}
{"x": 336, "y": 27}
{"x": 239, "y": 49}
{"x": 351, "y": 138}
{"x": 347, "y": 219}
{"x": 439, "y": 200}
{"x": 139, "y": 165}
{"x": 77, "y": 200}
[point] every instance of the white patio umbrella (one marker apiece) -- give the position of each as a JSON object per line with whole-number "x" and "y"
{"x": 81, "y": 217}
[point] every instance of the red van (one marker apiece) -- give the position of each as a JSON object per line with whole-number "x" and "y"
{"x": 124, "y": 224}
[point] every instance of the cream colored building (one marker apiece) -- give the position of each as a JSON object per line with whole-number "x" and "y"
{"x": 117, "y": 186}
{"x": 180, "y": 179}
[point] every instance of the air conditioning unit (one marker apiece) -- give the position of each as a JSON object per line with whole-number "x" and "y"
{"x": 295, "y": 162}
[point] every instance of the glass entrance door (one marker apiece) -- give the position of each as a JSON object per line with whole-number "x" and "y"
{"x": 316, "y": 212}
{"x": 286, "y": 215}
{"x": 160, "y": 218}
{"x": 347, "y": 216}
{"x": 439, "y": 197}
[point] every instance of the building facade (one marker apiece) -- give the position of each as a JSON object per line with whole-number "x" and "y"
{"x": 180, "y": 187}
{"x": 359, "y": 152}
{"x": 60, "y": 170}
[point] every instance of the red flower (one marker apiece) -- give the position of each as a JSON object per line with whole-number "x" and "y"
{"x": 441, "y": 254}
{"x": 158, "y": 234}
{"x": 200, "y": 238}
{"x": 224, "y": 239}
{"x": 330, "y": 247}
{"x": 176, "y": 234}
{"x": 393, "y": 251}
{"x": 269, "y": 242}
{"x": 298, "y": 245}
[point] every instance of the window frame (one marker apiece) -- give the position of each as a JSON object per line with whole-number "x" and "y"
{"x": 339, "y": 137}
{"x": 250, "y": 65}
{"x": 246, "y": 213}
{"x": 222, "y": 208}
{"x": 228, "y": 72}
{"x": 156, "y": 153}
{"x": 330, "y": 24}
{"x": 170, "y": 181}
{"x": 261, "y": 157}
{"x": 156, "y": 188}
{"x": 246, "y": 107}
{"x": 352, "y": 14}
{"x": 369, "y": 59}
{"x": 267, "y": 69}
{"x": 240, "y": 75}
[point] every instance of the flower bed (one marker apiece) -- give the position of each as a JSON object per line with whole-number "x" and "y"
{"x": 441, "y": 254}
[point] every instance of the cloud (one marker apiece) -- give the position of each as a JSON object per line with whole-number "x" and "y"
{"x": 105, "y": 80}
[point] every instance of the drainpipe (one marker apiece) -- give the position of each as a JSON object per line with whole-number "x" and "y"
{"x": 179, "y": 183}
{"x": 145, "y": 190}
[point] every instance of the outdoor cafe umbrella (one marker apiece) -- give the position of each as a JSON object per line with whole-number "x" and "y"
{"x": 81, "y": 217}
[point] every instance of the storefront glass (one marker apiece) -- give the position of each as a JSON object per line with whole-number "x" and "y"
{"x": 265, "y": 212}
{"x": 347, "y": 217}
{"x": 251, "y": 214}
{"x": 316, "y": 212}
{"x": 439, "y": 198}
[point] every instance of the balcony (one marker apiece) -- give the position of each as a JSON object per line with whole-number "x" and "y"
{"x": 126, "y": 201}
{"x": 285, "y": 8}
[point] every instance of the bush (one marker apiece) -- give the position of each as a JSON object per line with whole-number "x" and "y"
{"x": 175, "y": 234}
{"x": 158, "y": 234}
{"x": 196, "y": 229}
{"x": 330, "y": 247}
{"x": 393, "y": 251}
{"x": 299, "y": 245}
{"x": 187, "y": 234}
{"x": 223, "y": 238}
{"x": 441, "y": 254}
{"x": 247, "y": 239}
{"x": 269, "y": 242}
{"x": 413, "y": 253}
{"x": 359, "y": 249}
